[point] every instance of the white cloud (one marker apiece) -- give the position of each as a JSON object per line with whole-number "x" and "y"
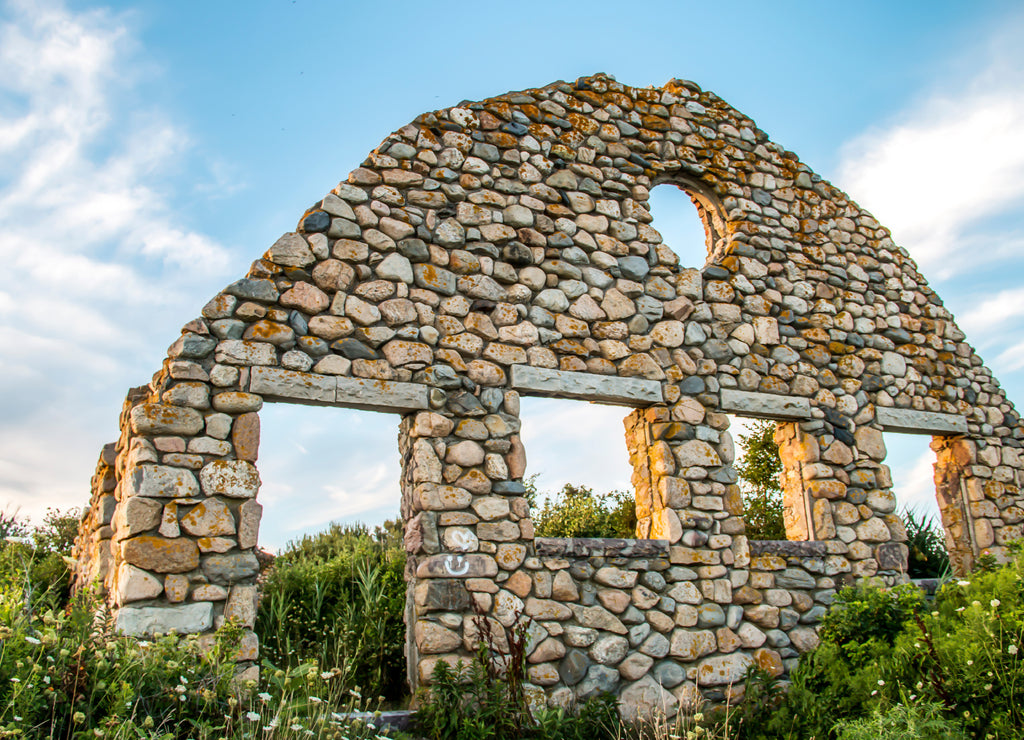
{"x": 949, "y": 165}
{"x": 98, "y": 261}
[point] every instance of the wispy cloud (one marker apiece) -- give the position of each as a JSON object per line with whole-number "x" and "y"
{"x": 96, "y": 256}
{"x": 945, "y": 169}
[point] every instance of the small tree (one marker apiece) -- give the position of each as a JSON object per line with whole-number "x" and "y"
{"x": 758, "y": 467}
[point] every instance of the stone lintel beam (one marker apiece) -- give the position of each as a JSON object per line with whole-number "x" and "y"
{"x": 765, "y": 405}
{"x": 911, "y": 421}
{"x": 537, "y": 381}
{"x": 381, "y": 395}
{"x": 292, "y": 385}
{"x": 328, "y": 390}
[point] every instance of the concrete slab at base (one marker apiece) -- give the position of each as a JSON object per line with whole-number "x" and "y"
{"x": 911, "y": 421}
{"x": 586, "y": 386}
{"x": 765, "y": 405}
{"x": 150, "y": 620}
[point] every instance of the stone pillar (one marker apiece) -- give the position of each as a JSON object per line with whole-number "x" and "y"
{"x": 468, "y": 527}
{"x": 799, "y": 451}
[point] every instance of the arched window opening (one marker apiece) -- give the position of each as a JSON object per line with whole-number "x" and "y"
{"x": 688, "y": 221}
{"x": 577, "y": 466}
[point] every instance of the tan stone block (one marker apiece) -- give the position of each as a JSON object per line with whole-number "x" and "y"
{"x": 613, "y": 600}
{"x": 563, "y": 588}
{"x": 176, "y": 587}
{"x": 215, "y": 544}
{"x": 135, "y": 584}
{"x": 546, "y": 609}
{"x": 690, "y": 645}
{"x": 245, "y": 436}
{"x": 519, "y": 583}
{"x": 433, "y": 638}
{"x": 249, "y": 515}
{"x": 510, "y": 555}
{"x": 209, "y": 592}
{"x": 209, "y": 518}
{"x": 241, "y": 606}
{"x": 161, "y": 555}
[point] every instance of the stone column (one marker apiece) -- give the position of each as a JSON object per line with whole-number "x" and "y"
{"x": 467, "y": 525}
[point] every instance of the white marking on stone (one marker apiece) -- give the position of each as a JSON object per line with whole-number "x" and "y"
{"x": 456, "y": 565}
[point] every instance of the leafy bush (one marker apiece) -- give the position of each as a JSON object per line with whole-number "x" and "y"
{"x": 337, "y": 598}
{"x": 65, "y": 673}
{"x": 927, "y": 543}
{"x": 576, "y": 511}
{"x": 758, "y": 469}
{"x": 956, "y": 665}
{"x": 924, "y": 720}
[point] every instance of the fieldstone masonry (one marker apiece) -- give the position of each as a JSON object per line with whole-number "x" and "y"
{"x": 503, "y": 248}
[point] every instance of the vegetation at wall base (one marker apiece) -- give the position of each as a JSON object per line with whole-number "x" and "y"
{"x": 926, "y": 542}
{"x": 337, "y": 598}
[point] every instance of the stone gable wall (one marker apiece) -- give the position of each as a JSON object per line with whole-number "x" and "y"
{"x": 506, "y": 248}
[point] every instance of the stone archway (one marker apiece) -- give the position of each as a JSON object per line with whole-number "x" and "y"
{"x": 504, "y": 247}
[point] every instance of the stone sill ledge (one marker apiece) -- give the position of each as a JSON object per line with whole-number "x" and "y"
{"x": 788, "y": 547}
{"x": 582, "y": 547}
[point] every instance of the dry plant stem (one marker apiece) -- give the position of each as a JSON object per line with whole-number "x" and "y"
{"x": 935, "y": 675}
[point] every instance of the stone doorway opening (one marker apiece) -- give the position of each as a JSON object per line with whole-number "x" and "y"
{"x": 334, "y": 589}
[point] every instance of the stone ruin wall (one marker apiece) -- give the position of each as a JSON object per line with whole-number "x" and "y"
{"x": 505, "y": 248}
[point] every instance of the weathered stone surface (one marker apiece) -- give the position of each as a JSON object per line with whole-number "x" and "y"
{"x": 598, "y": 617}
{"x": 135, "y": 584}
{"x": 210, "y": 518}
{"x": 910, "y": 421}
{"x": 689, "y": 645}
{"x": 584, "y": 386}
{"x": 152, "y": 620}
{"x": 230, "y": 568}
{"x": 278, "y": 383}
{"x": 645, "y": 700}
{"x": 231, "y": 478}
{"x": 723, "y": 670}
{"x": 161, "y": 555}
{"x": 381, "y": 395}
{"x": 156, "y": 418}
{"x": 765, "y": 405}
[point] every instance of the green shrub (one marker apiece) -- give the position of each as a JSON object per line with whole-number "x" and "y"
{"x": 927, "y": 544}
{"x": 576, "y": 511}
{"x": 65, "y": 673}
{"x": 484, "y": 700}
{"x": 920, "y": 720}
{"x": 961, "y": 658}
{"x": 337, "y": 598}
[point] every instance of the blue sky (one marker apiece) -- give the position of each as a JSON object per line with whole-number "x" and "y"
{"x": 149, "y": 151}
